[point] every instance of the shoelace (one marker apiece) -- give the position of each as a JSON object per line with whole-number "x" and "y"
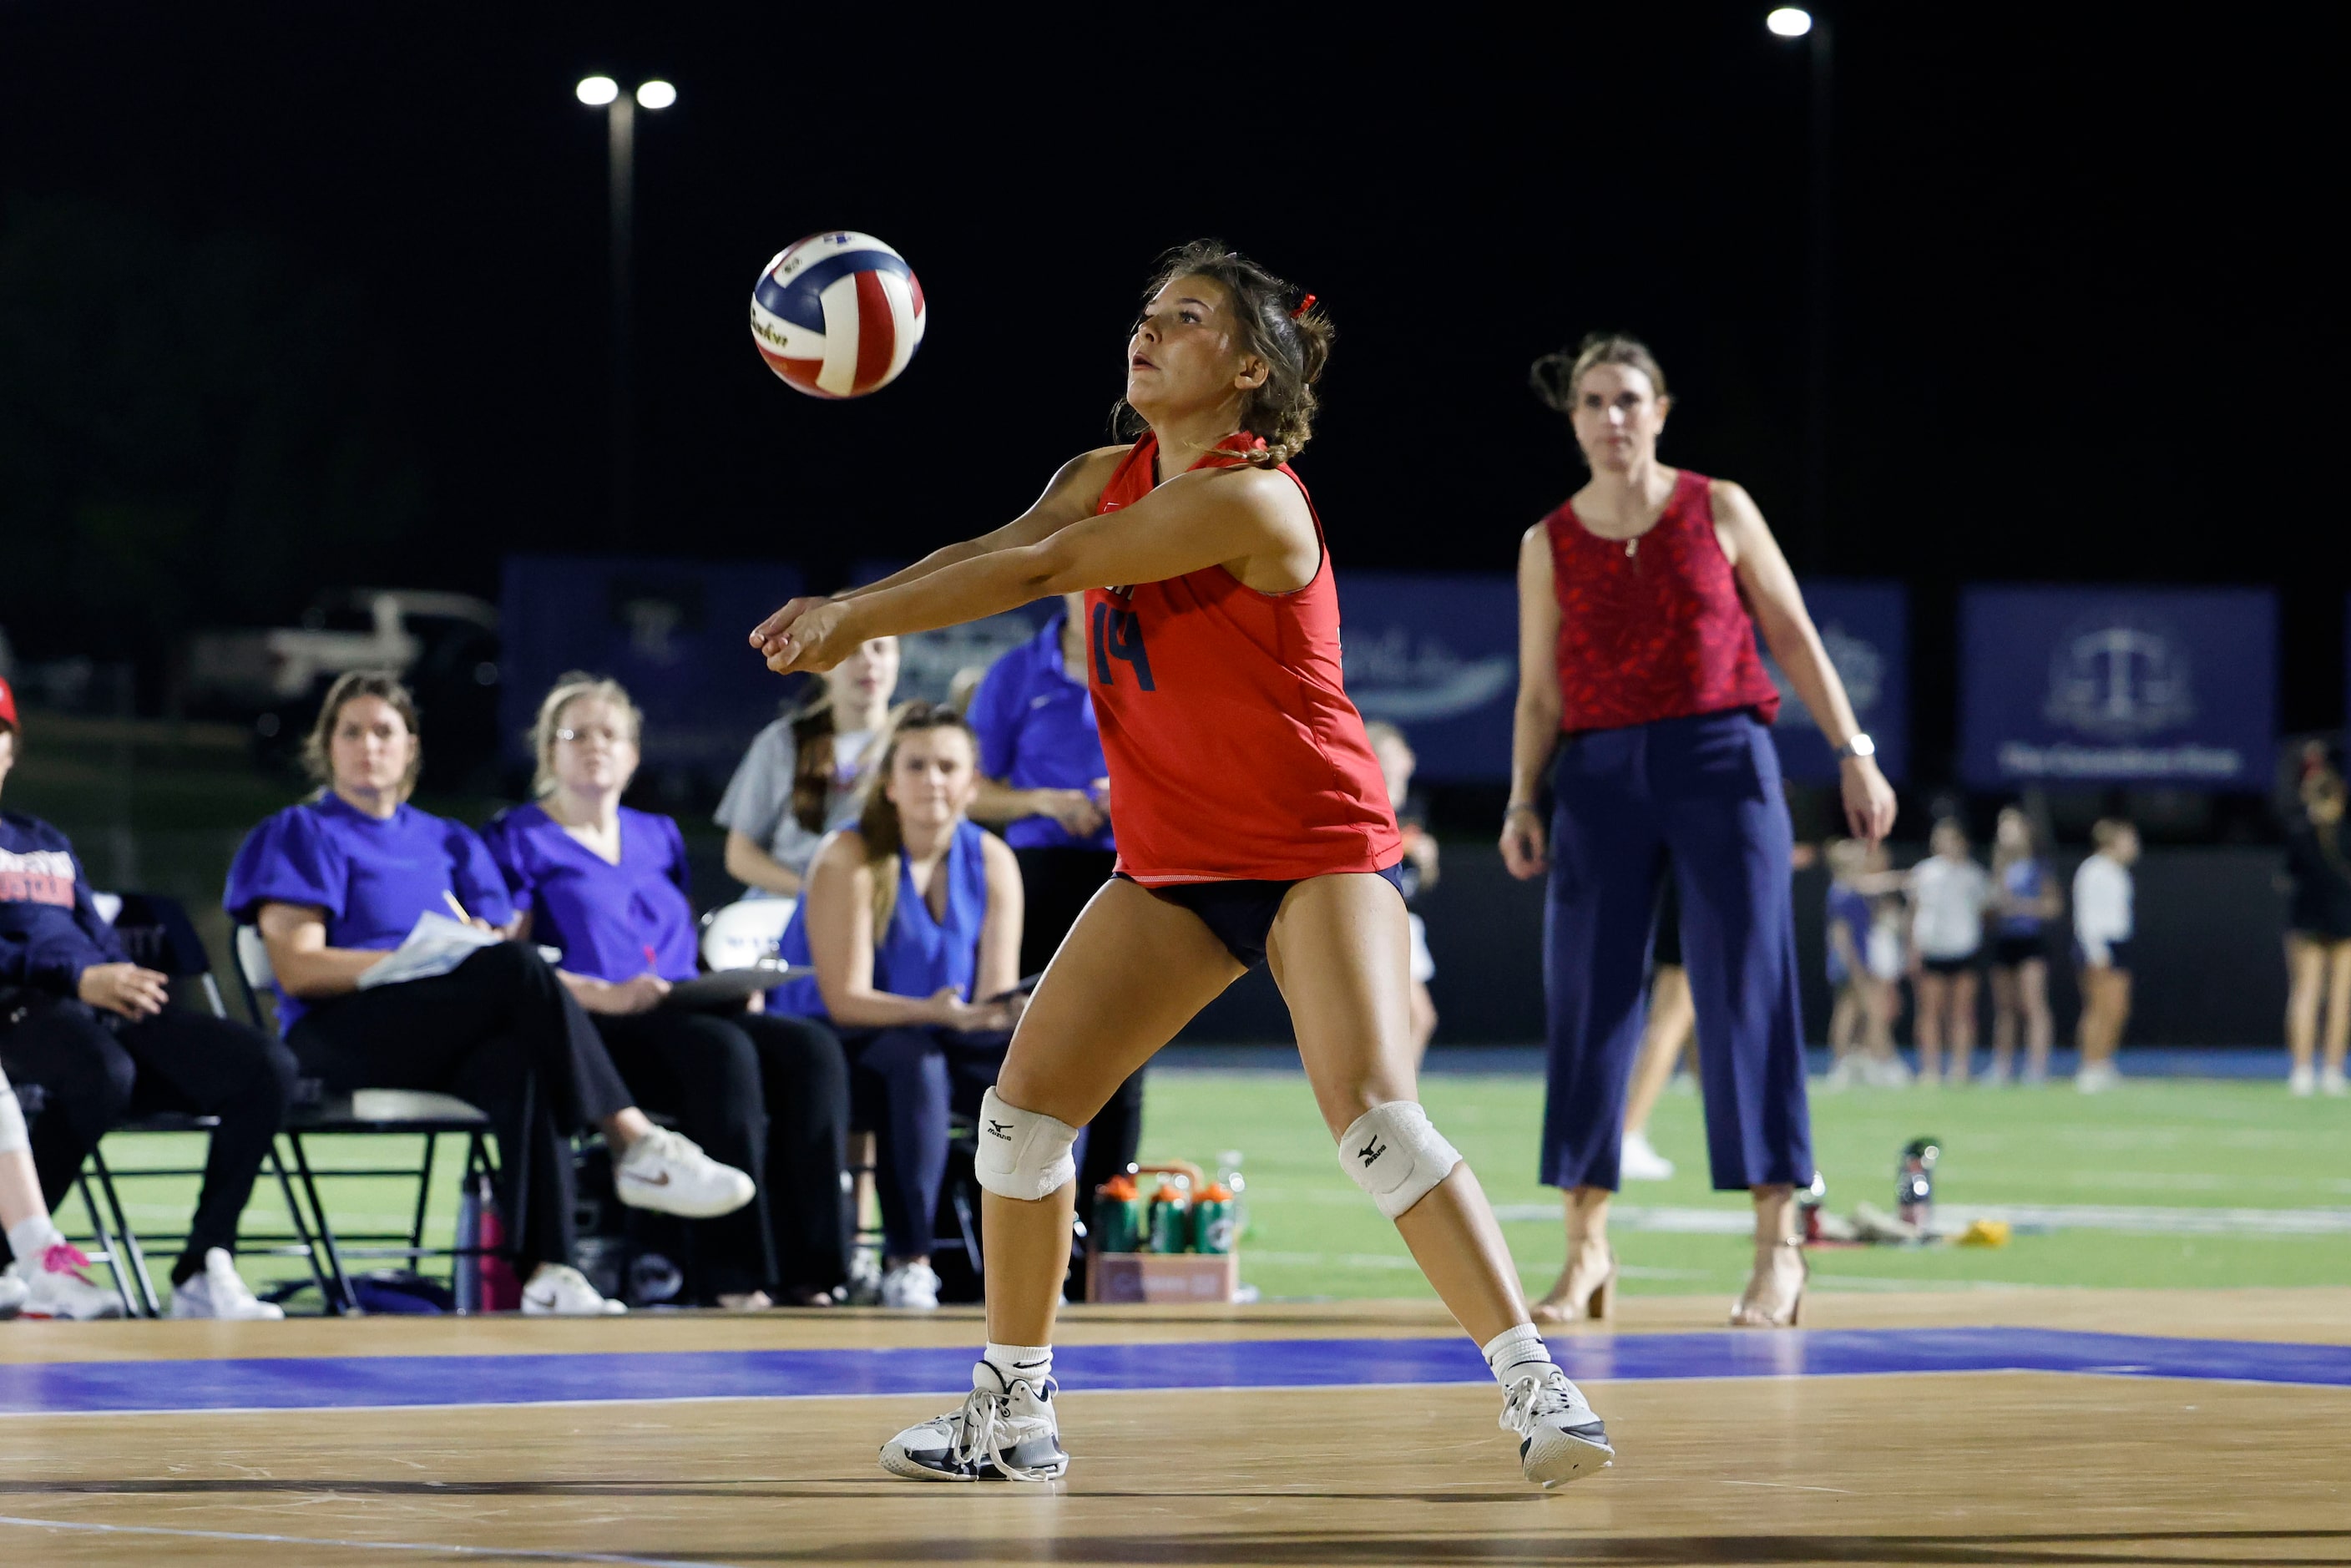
{"x": 983, "y": 1430}
{"x": 65, "y": 1257}
{"x": 1532, "y": 1398}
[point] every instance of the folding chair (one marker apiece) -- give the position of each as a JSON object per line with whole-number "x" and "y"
{"x": 376, "y": 1112}
{"x": 156, "y": 932}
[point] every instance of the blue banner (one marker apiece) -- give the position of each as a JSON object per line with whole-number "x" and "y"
{"x": 2117, "y": 685}
{"x": 673, "y": 631}
{"x": 1437, "y": 656}
{"x": 1866, "y": 628}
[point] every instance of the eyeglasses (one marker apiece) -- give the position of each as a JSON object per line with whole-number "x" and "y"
{"x": 604, "y": 735}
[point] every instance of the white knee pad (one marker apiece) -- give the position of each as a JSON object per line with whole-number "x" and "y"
{"x": 1394, "y": 1155}
{"x": 12, "y": 1120}
{"x": 1022, "y": 1154}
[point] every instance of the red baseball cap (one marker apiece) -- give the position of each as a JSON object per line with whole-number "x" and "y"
{"x": 8, "y": 705}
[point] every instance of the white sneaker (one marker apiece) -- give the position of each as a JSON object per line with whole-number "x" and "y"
{"x": 2332, "y": 1083}
{"x": 13, "y": 1294}
{"x": 668, "y": 1171}
{"x": 1841, "y": 1076}
{"x": 912, "y": 1285}
{"x": 2098, "y": 1079}
{"x": 2302, "y": 1082}
{"x": 865, "y": 1287}
{"x": 220, "y": 1292}
{"x": 559, "y": 1290}
{"x": 1000, "y": 1433}
{"x": 54, "y": 1286}
{"x": 1888, "y": 1072}
{"x": 1560, "y": 1438}
{"x": 1638, "y": 1160}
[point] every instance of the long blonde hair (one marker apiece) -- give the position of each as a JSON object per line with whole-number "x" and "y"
{"x": 877, "y": 819}
{"x": 570, "y": 687}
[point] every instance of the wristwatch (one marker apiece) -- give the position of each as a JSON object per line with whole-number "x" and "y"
{"x": 1859, "y": 746}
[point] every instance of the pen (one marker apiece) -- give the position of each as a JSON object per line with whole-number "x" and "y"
{"x": 451, "y": 899}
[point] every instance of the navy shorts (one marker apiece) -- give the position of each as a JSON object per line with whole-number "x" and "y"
{"x": 1241, "y": 913}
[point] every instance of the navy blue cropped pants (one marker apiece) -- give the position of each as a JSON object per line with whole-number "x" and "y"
{"x": 1702, "y": 793}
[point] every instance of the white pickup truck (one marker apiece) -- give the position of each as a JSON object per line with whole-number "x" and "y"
{"x": 355, "y": 629}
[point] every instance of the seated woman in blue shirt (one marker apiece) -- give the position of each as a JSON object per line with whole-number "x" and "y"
{"x": 1044, "y": 785}
{"x": 335, "y": 883}
{"x": 765, "y": 1092}
{"x": 96, "y": 1033}
{"x": 911, "y": 919}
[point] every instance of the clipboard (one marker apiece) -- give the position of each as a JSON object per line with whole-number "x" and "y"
{"x": 725, "y": 987}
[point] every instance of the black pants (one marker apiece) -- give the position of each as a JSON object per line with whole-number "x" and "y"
{"x": 904, "y": 1085}
{"x": 495, "y": 1023}
{"x": 1055, "y": 884}
{"x": 96, "y": 1069}
{"x": 767, "y": 1095}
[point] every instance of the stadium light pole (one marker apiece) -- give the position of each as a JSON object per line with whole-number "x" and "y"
{"x": 1792, "y": 23}
{"x": 620, "y": 141}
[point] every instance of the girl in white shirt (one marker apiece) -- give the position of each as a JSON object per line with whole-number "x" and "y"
{"x": 2104, "y": 921}
{"x": 1948, "y": 893}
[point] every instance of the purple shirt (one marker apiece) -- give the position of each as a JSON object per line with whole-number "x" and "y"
{"x": 1036, "y": 731}
{"x": 612, "y": 922}
{"x": 372, "y": 876}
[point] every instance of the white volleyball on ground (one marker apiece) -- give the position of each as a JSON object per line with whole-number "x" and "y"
{"x": 837, "y": 314}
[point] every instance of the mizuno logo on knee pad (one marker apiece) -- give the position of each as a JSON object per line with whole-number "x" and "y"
{"x": 1026, "y": 1154}
{"x": 1399, "y": 1127}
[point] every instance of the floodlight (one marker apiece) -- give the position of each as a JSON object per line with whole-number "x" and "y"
{"x": 597, "y": 91}
{"x": 656, "y": 94}
{"x": 1790, "y": 21}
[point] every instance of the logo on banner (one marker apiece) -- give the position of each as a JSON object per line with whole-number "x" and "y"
{"x": 1392, "y": 677}
{"x": 2119, "y": 680}
{"x": 1858, "y": 663}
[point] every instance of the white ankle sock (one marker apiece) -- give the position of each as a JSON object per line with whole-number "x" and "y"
{"x": 29, "y": 1239}
{"x": 1515, "y": 1352}
{"x": 1033, "y": 1361}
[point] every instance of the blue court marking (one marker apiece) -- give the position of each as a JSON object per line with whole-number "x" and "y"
{"x": 344, "y": 1382}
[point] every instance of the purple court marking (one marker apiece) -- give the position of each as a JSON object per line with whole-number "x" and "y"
{"x": 343, "y": 1381}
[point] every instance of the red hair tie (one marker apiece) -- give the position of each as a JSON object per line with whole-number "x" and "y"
{"x": 1303, "y": 307}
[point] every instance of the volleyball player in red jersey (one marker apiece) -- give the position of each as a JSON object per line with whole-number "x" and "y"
{"x": 1252, "y": 826}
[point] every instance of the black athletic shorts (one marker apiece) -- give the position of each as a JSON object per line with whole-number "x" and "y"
{"x": 1959, "y": 966}
{"x": 2008, "y": 952}
{"x": 2118, "y": 955}
{"x": 1241, "y": 913}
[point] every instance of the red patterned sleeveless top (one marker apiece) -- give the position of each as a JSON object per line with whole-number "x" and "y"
{"x": 1653, "y": 627}
{"x": 1234, "y": 753}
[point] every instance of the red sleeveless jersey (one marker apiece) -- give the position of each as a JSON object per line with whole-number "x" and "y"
{"x": 1653, "y": 627}
{"x": 1234, "y": 753}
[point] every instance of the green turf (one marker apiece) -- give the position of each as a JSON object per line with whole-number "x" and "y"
{"x": 2175, "y": 1144}
{"x": 2168, "y": 1143}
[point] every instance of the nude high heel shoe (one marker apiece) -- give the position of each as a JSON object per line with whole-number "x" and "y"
{"x": 1580, "y": 1299}
{"x": 1761, "y": 1307}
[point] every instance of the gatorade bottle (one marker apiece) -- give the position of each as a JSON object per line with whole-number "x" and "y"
{"x": 1118, "y": 1216}
{"x": 1171, "y": 1217}
{"x": 1213, "y": 1223}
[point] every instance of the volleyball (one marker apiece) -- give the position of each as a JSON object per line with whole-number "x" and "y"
{"x": 837, "y": 314}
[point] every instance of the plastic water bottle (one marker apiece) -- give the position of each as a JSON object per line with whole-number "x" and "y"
{"x": 1913, "y": 1183}
{"x": 1230, "y": 1177}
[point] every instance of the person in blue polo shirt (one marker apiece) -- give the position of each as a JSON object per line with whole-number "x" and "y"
{"x": 1045, "y": 787}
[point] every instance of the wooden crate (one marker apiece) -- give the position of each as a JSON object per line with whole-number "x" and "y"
{"x": 1163, "y": 1276}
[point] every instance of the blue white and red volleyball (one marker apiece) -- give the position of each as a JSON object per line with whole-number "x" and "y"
{"x": 837, "y": 314}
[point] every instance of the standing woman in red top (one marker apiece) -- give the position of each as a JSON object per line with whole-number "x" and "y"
{"x": 1253, "y": 826}
{"x": 1638, "y": 604}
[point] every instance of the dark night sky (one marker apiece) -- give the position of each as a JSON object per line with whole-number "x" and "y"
{"x": 2078, "y": 301}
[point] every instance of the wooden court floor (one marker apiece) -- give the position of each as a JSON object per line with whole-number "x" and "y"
{"x": 2186, "y": 1428}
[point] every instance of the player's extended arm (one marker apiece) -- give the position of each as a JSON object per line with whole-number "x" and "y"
{"x": 1196, "y": 520}
{"x": 1072, "y": 494}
